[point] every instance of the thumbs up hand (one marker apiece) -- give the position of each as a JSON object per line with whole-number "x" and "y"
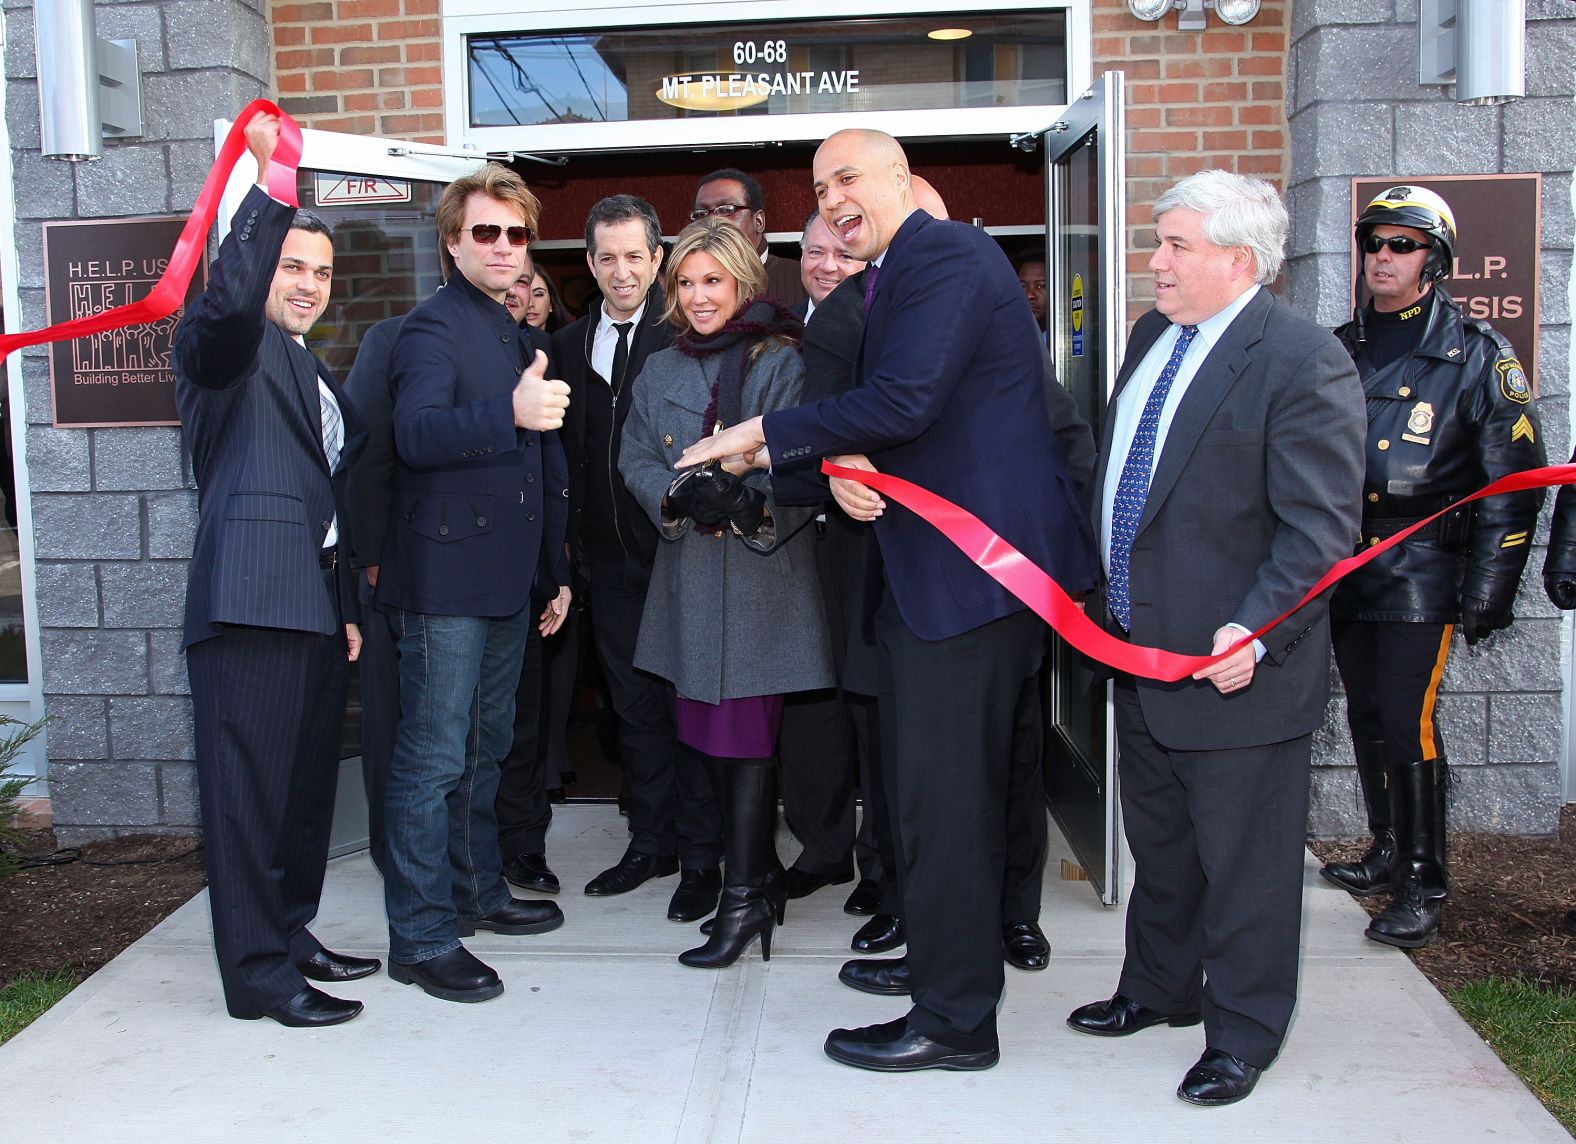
{"x": 540, "y": 401}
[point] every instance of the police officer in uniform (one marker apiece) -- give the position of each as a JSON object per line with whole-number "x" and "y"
{"x": 1449, "y": 409}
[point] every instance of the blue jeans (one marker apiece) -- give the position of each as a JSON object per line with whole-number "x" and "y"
{"x": 457, "y": 679}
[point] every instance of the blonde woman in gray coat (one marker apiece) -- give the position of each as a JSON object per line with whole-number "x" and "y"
{"x": 733, "y": 615}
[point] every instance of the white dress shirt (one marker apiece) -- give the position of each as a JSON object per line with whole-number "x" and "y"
{"x": 605, "y": 340}
{"x": 1129, "y": 405}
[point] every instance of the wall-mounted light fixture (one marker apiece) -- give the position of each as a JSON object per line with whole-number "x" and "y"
{"x": 87, "y": 88}
{"x": 1190, "y": 13}
{"x": 1478, "y": 45}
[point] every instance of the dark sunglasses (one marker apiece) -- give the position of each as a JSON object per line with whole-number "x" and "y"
{"x": 1398, "y": 244}
{"x": 487, "y": 233}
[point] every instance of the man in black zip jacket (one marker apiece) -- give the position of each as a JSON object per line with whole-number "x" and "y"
{"x": 673, "y": 819}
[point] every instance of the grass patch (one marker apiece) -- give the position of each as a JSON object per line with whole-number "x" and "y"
{"x": 1534, "y": 1032}
{"x": 28, "y": 997}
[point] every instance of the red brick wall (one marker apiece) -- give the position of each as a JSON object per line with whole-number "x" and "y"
{"x": 1195, "y": 100}
{"x": 365, "y": 66}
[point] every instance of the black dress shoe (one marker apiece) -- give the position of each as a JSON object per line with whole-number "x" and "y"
{"x": 309, "y": 1009}
{"x": 517, "y": 915}
{"x": 633, "y": 869}
{"x": 697, "y": 894}
{"x": 458, "y": 975}
{"x": 865, "y": 900}
{"x": 556, "y": 796}
{"x": 530, "y": 872}
{"x": 326, "y": 965}
{"x": 1024, "y": 945}
{"x": 879, "y": 934}
{"x": 1218, "y": 1078}
{"x": 885, "y": 976}
{"x": 1121, "y": 1016}
{"x": 895, "y": 1047}
{"x": 801, "y": 884}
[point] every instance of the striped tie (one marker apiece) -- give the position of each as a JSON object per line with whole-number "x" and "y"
{"x": 330, "y": 415}
{"x": 1133, "y": 487}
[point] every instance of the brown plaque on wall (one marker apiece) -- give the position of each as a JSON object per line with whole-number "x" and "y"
{"x": 1498, "y": 231}
{"x": 123, "y": 376}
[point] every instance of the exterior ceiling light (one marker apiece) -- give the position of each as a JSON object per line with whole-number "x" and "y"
{"x": 950, "y": 33}
{"x": 708, "y": 92}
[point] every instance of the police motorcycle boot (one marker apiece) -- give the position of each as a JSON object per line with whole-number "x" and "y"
{"x": 1370, "y": 874}
{"x": 750, "y": 892}
{"x": 1420, "y": 883}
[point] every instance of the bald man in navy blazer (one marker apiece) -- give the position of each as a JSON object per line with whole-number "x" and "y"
{"x": 950, "y": 395}
{"x": 269, "y": 604}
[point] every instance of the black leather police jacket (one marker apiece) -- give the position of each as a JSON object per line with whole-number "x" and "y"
{"x": 1442, "y": 423}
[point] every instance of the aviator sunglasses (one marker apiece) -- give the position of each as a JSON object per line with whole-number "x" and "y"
{"x": 487, "y": 233}
{"x": 1398, "y": 244}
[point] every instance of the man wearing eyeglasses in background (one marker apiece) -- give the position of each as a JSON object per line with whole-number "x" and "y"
{"x": 732, "y": 195}
{"x": 1449, "y": 409}
{"x": 479, "y": 517}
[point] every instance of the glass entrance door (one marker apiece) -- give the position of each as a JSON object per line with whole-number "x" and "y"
{"x": 1085, "y": 213}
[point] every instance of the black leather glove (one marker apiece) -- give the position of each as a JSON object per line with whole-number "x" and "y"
{"x": 686, "y": 496}
{"x": 1479, "y": 618}
{"x": 1560, "y": 584}
{"x": 722, "y": 496}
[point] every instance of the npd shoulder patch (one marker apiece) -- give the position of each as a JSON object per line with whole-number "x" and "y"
{"x": 1513, "y": 381}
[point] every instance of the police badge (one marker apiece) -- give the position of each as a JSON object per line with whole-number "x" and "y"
{"x": 1513, "y": 381}
{"x": 1419, "y": 424}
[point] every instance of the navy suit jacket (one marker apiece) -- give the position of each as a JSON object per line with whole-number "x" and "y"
{"x": 951, "y": 397}
{"x": 370, "y": 385}
{"x": 480, "y": 506}
{"x": 248, "y": 400}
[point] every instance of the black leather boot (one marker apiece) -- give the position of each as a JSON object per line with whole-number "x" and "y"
{"x": 1370, "y": 874}
{"x": 1421, "y": 884}
{"x": 751, "y": 896}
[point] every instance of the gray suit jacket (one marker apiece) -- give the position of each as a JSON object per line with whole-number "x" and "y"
{"x": 1256, "y": 493}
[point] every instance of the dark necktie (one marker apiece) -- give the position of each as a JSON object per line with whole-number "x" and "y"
{"x": 1132, "y": 489}
{"x": 620, "y": 355}
{"x": 870, "y": 284}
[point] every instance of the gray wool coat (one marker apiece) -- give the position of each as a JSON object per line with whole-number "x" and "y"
{"x": 723, "y": 619}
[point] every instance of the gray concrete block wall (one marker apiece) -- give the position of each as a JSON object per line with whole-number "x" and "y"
{"x": 115, "y": 509}
{"x": 1354, "y": 108}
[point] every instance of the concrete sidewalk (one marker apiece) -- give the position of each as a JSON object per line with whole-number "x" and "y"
{"x": 603, "y": 1036}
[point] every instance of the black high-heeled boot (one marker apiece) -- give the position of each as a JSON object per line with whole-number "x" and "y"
{"x": 749, "y": 907}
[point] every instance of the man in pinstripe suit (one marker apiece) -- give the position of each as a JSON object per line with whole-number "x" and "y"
{"x": 269, "y": 603}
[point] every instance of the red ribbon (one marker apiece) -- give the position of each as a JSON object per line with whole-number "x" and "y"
{"x": 169, "y": 292}
{"x": 1024, "y": 579}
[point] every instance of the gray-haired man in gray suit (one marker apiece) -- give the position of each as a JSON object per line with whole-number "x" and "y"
{"x": 1229, "y": 480}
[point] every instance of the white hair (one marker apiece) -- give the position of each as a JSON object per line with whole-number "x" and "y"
{"x": 1238, "y": 211}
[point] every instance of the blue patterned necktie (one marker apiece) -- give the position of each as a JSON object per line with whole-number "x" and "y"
{"x": 1133, "y": 487}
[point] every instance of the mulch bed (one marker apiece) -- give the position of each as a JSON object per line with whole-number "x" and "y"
{"x": 78, "y": 915}
{"x": 1509, "y": 896}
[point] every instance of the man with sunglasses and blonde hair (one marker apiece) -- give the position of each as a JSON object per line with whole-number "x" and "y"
{"x": 479, "y": 515}
{"x": 1449, "y": 409}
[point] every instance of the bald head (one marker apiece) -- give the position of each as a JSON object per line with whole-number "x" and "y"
{"x": 863, "y": 189}
{"x": 927, "y": 198}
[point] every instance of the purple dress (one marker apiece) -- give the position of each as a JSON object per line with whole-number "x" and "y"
{"x": 733, "y": 729}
